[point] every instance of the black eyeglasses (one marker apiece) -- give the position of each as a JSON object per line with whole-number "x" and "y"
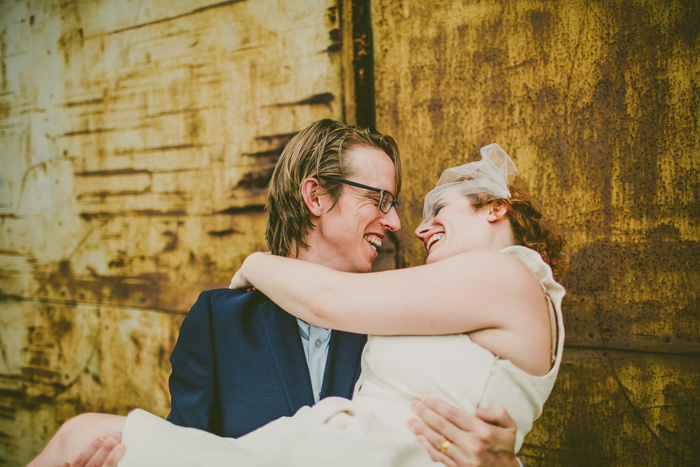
{"x": 386, "y": 201}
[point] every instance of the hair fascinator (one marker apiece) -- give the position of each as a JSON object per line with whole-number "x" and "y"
{"x": 489, "y": 175}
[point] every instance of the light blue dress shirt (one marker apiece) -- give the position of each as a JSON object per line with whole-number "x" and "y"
{"x": 315, "y": 341}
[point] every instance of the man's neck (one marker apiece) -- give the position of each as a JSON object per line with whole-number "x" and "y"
{"x": 316, "y": 255}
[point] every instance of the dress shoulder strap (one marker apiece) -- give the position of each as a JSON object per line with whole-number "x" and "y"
{"x": 553, "y": 326}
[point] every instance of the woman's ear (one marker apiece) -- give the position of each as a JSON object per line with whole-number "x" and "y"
{"x": 497, "y": 212}
{"x": 310, "y": 192}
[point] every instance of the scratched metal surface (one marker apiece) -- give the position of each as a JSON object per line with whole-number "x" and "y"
{"x": 136, "y": 141}
{"x": 597, "y": 103}
{"x": 136, "y": 138}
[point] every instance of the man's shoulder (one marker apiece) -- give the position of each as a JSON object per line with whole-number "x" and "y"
{"x": 225, "y": 294}
{"x": 228, "y": 301}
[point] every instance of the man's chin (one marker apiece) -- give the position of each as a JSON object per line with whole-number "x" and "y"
{"x": 366, "y": 267}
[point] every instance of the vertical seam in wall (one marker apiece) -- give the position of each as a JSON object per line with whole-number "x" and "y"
{"x": 363, "y": 63}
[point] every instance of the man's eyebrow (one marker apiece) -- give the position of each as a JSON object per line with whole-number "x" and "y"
{"x": 372, "y": 194}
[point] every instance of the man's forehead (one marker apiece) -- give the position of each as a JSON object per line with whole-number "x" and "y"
{"x": 359, "y": 156}
{"x": 372, "y": 165}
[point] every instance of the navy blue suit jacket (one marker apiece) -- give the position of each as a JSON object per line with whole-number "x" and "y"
{"x": 239, "y": 363}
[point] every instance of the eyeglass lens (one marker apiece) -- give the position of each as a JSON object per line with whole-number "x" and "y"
{"x": 386, "y": 202}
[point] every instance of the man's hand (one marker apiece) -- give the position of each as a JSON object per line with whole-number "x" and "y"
{"x": 105, "y": 451}
{"x": 466, "y": 440}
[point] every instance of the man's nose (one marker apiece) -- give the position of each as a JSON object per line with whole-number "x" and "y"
{"x": 391, "y": 221}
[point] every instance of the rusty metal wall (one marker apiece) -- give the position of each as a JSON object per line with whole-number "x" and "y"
{"x": 136, "y": 140}
{"x": 597, "y": 102}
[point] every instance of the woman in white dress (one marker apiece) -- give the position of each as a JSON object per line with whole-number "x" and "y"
{"x": 479, "y": 324}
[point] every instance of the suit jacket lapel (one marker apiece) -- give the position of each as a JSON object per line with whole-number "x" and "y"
{"x": 282, "y": 333}
{"x": 342, "y": 367}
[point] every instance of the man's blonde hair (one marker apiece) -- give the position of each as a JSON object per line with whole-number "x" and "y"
{"x": 316, "y": 152}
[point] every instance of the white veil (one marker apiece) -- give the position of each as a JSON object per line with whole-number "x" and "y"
{"x": 489, "y": 175}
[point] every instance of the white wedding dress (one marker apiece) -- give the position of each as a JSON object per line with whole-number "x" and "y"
{"x": 369, "y": 430}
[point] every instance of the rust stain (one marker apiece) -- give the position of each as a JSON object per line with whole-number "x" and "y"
{"x": 183, "y": 111}
{"x": 156, "y": 213}
{"x": 4, "y": 109}
{"x": 334, "y": 35}
{"x": 270, "y": 153}
{"x": 110, "y": 173}
{"x": 81, "y": 103}
{"x": 541, "y": 22}
{"x": 332, "y": 14}
{"x": 107, "y": 194}
{"x": 172, "y": 241}
{"x": 276, "y": 138}
{"x": 171, "y": 18}
{"x": 258, "y": 179}
{"x": 316, "y": 99}
{"x": 88, "y": 216}
{"x": 174, "y": 147}
{"x": 138, "y": 345}
{"x": 133, "y": 212}
{"x": 72, "y": 38}
{"x": 62, "y": 327}
{"x": 222, "y": 233}
{"x": 251, "y": 209}
{"x": 333, "y": 48}
{"x": 89, "y": 132}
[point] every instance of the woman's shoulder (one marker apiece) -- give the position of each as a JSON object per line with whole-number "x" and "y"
{"x": 532, "y": 259}
{"x": 538, "y": 267}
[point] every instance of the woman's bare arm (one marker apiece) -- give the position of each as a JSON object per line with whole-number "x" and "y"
{"x": 464, "y": 293}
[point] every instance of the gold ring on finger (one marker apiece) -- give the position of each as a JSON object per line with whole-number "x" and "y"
{"x": 445, "y": 444}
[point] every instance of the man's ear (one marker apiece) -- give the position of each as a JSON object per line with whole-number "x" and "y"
{"x": 310, "y": 192}
{"x": 496, "y": 212}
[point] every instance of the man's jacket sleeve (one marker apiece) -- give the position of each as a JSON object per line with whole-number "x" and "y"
{"x": 193, "y": 379}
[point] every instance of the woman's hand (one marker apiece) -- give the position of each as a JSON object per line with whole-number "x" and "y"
{"x": 239, "y": 280}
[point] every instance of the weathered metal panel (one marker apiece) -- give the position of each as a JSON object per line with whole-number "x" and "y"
{"x": 619, "y": 408}
{"x": 62, "y": 359}
{"x": 597, "y": 103}
{"x": 136, "y": 141}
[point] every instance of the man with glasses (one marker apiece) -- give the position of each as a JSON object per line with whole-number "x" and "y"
{"x": 240, "y": 361}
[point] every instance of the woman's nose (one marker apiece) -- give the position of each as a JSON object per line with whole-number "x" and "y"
{"x": 421, "y": 230}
